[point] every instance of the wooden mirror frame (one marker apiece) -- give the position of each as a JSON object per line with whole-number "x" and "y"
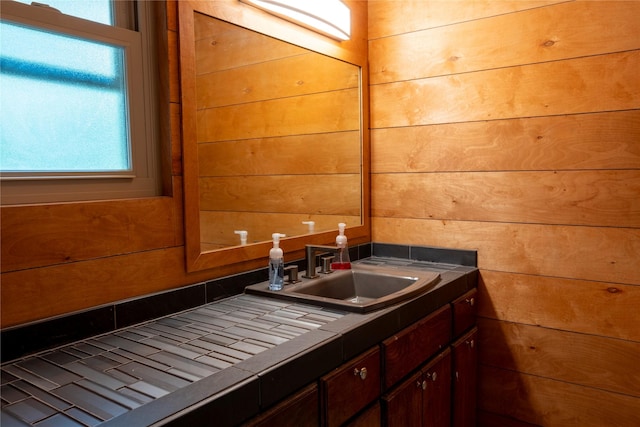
{"x": 353, "y": 51}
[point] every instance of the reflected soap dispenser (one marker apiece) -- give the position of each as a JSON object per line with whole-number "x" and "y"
{"x": 276, "y": 264}
{"x": 341, "y": 260}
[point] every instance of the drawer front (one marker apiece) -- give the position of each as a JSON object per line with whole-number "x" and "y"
{"x": 405, "y": 351}
{"x": 300, "y": 410}
{"x": 350, "y": 388}
{"x": 464, "y": 312}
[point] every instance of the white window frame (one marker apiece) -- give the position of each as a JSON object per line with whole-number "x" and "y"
{"x": 143, "y": 180}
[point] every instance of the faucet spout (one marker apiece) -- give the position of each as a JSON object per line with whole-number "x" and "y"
{"x": 311, "y": 251}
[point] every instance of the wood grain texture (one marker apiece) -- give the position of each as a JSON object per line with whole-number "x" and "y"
{"x": 541, "y": 89}
{"x": 548, "y": 402}
{"x": 568, "y": 142}
{"x": 35, "y": 236}
{"x": 512, "y": 128}
{"x": 301, "y": 194}
{"x": 557, "y": 303}
{"x": 596, "y": 198}
{"x": 388, "y": 18}
{"x": 276, "y": 78}
{"x": 315, "y": 113}
{"x": 587, "y": 360}
{"x": 294, "y": 155}
{"x": 589, "y": 253}
{"x": 566, "y": 30}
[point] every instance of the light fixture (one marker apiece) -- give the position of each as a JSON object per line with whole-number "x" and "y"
{"x": 329, "y": 17}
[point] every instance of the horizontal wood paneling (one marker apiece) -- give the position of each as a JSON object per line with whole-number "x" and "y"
{"x": 542, "y": 89}
{"x": 221, "y": 46}
{"x": 294, "y": 155}
{"x": 512, "y": 128}
{"x": 285, "y": 77}
{"x": 597, "y": 198}
{"x": 588, "y": 360}
{"x": 316, "y": 113}
{"x": 315, "y": 194}
{"x": 589, "y": 253}
{"x": 567, "y": 30}
{"x": 387, "y": 18}
{"x": 581, "y": 141}
{"x": 548, "y": 402}
{"x": 34, "y": 236}
{"x": 584, "y": 306}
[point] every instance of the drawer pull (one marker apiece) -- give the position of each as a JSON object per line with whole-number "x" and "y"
{"x": 421, "y": 384}
{"x": 470, "y": 343}
{"x": 432, "y": 376}
{"x": 470, "y": 301}
{"x": 362, "y": 373}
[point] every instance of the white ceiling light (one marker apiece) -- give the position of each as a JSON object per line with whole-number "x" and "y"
{"x": 329, "y": 17}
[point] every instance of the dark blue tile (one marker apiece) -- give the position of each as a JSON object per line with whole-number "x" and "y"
{"x": 392, "y": 251}
{"x": 159, "y": 305}
{"x": 233, "y": 285}
{"x": 444, "y": 255}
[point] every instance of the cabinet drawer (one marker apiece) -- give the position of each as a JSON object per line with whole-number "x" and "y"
{"x": 300, "y": 410}
{"x": 464, "y": 312}
{"x": 351, "y": 387}
{"x": 405, "y": 351}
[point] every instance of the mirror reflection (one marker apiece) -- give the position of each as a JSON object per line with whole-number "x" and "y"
{"x": 278, "y": 136}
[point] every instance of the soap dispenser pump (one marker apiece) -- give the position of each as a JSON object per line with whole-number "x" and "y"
{"x": 276, "y": 264}
{"x": 341, "y": 260}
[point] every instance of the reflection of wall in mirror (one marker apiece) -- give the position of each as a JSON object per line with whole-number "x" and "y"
{"x": 278, "y": 130}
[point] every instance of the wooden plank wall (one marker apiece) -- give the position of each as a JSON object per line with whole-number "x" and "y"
{"x": 513, "y": 128}
{"x": 265, "y": 118}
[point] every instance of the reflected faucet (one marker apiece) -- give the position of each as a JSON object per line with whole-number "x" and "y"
{"x": 311, "y": 251}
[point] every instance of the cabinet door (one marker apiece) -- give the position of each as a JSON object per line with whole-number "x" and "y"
{"x": 300, "y": 410}
{"x": 408, "y": 349}
{"x": 465, "y": 355}
{"x": 436, "y": 401}
{"x": 350, "y": 388}
{"x": 402, "y": 407}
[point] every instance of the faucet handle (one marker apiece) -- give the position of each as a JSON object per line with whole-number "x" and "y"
{"x": 326, "y": 264}
{"x": 292, "y": 272}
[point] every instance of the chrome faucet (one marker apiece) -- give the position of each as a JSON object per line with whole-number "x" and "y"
{"x": 311, "y": 251}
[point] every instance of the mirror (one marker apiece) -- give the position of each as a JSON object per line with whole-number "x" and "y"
{"x": 272, "y": 138}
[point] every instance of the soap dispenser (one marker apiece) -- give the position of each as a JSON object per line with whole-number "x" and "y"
{"x": 341, "y": 260}
{"x": 276, "y": 264}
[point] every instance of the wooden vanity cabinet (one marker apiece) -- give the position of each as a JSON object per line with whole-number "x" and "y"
{"x": 424, "y": 399}
{"x": 424, "y": 375}
{"x": 350, "y": 388}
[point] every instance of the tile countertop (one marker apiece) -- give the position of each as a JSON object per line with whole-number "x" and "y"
{"x": 225, "y": 360}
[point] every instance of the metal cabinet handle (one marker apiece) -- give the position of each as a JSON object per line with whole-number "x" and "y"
{"x": 362, "y": 373}
{"x": 470, "y": 343}
{"x": 470, "y": 301}
{"x": 421, "y": 384}
{"x": 432, "y": 376}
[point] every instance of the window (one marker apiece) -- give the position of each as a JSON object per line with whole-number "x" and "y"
{"x": 76, "y": 112}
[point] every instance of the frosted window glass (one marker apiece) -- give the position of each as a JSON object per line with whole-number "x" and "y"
{"x": 94, "y": 10}
{"x": 64, "y": 106}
